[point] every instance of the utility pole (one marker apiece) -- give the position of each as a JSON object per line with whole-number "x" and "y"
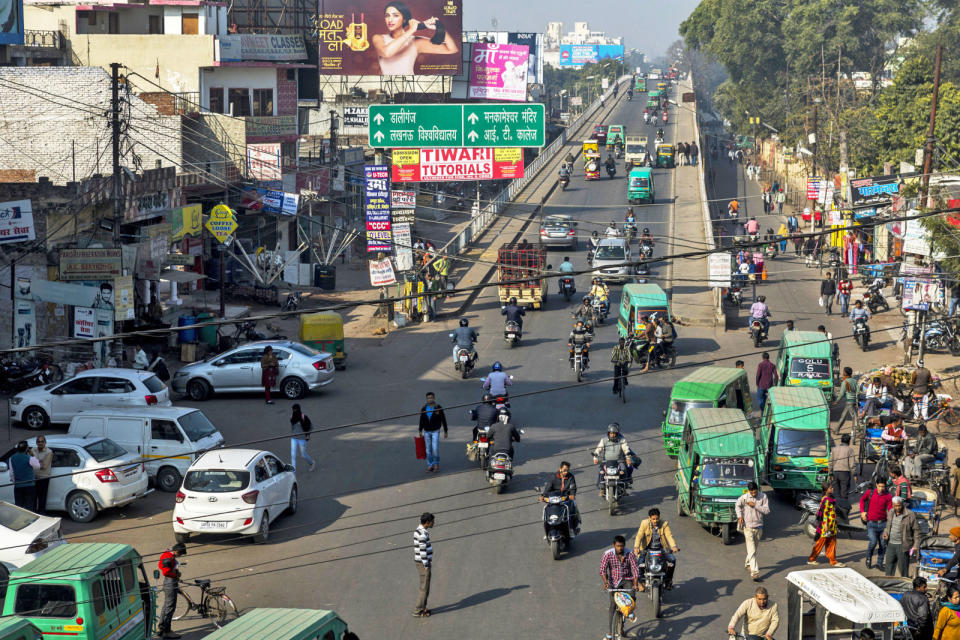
{"x": 333, "y": 137}
{"x": 115, "y": 133}
{"x": 928, "y": 149}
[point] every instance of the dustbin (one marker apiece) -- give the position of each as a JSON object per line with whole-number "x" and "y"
{"x": 325, "y": 276}
{"x": 186, "y": 335}
{"x": 208, "y": 334}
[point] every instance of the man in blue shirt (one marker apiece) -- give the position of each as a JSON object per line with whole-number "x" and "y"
{"x": 21, "y": 473}
{"x": 566, "y": 267}
{"x": 858, "y": 312}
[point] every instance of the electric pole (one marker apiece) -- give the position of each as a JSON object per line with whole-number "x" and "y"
{"x": 115, "y": 134}
{"x": 928, "y": 148}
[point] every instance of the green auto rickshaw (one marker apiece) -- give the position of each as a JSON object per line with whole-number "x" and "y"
{"x": 283, "y": 624}
{"x": 17, "y": 628}
{"x": 324, "y": 331}
{"x": 653, "y": 104}
{"x": 637, "y": 300}
{"x": 718, "y": 458}
{"x": 616, "y": 133}
{"x": 640, "y": 186}
{"x": 654, "y": 93}
{"x": 795, "y": 438}
{"x": 706, "y": 387}
{"x": 665, "y": 156}
{"x": 806, "y": 359}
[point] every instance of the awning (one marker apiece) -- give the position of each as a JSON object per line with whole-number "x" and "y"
{"x": 180, "y": 277}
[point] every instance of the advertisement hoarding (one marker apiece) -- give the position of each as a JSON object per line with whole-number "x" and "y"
{"x": 877, "y": 190}
{"x": 403, "y": 240}
{"x": 381, "y": 273}
{"x": 263, "y": 161}
{"x": 16, "y": 221}
{"x": 498, "y": 72}
{"x": 355, "y": 117}
{"x": 89, "y": 264}
{"x": 84, "y": 322}
{"x": 534, "y": 44}
{"x": 11, "y": 21}
{"x": 577, "y": 55}
{"x": 269, "y": 201}
{"x": 249, "y": 46}
{"x": 352, "y": 34}
{"x": 441, "y": 165}
{"x": 377, "y": 206}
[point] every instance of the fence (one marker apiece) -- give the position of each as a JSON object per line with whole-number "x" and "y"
{"x": 705, "y": 202}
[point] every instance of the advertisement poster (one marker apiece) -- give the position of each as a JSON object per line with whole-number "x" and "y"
{"x": 441, "y": 165}
{"x": 354, "y": 33}
{"x": 813, "y": 187}
{"x": 879, "y": 190}
{"x": 498, "y": 72}
{"x": 377, "y": 206}
{"x": 84, "y": 322}
{"x": 248, "y": 46}
{"x": 185, "y": 221}
{"x": 269, "y": 201}
{"x": 123, "y": 309}
{"x": 381, "y": 273}
{"x": 403, "y": 241}
{"x": 577, "y": 55}
{"x": 24, "y": 324}
{"x": 16, "y": 217}
{"x": 403, "y": 199}
{"x": 534, "y": 44}
{"x": 89, "y": 264}
{"x": 11, "y": 21}
{"x": 263, "y": 161}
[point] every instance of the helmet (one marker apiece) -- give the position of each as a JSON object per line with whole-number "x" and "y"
{"x": 646, "y": 230}
{"x": 595, "y": 234}
{"x": 504, "y": 415}
{"x": 464, "y": 322}
{"x": 513, "y": 300}
{"x": 497, "y": 366}
{"x": 595, "y": 280}
{"x": 487, "y": 398}
{"x": 613, "y": 427}
{"x": 586, "y": 299}
{"x": 629, "y": 210}
{"x": 566, "y": 259}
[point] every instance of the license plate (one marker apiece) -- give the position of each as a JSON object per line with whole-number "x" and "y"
{"x": 213, "y": 524}
{"x": 482, "y": 445}
{"x": 511, "y": 335}
{"x": 499, "y": 476}
{"x": 463, "y": 358}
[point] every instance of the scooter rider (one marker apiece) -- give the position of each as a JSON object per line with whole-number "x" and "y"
{"x": 463, "y": 338}
{"x": 514, "y": 313}
{"x": 611, "y": 162}
{"x": 565, "y": 484}
{"x": 566, "y": 270}
{"x": 630, "y": 218}
{"x": 760, "y": 311}
{"x": 660, "y": 134}
{"x": 503, "y": 434}
{"x": 581, "y": 336}
{"x": 646, "y": 237}
{"x": 858, "y": 312}
{"x": 565, "y": 170}
{"x": 484, "y": 414}
{"x": 613, "y": 447}
{"x": 497, "y": 381}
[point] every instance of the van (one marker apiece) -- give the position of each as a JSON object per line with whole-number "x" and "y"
{"x": 611, "y": 260}
{"x": 640, "y": 186}
{"x": 16, "y": 628}
{"x": 794, "y": 438}
{"x": 805, "y": 359}
{"x": 168, "y": 439}
{"x": 283, "y": 624}
{"x": 720, "y": 387}
{"x": 87, "y": 591}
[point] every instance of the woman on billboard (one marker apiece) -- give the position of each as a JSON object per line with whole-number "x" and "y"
{"x": 398, "y": 49}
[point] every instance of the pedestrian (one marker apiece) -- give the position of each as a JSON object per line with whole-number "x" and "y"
{"x": 765, "y": 198}
{"x": 423, "y": 556}
{"x": 948, "y": 620}
{"x": 432, "y": 419}
{"x": 22, "y": 474}
{"x": 783, "y": 233}
{"x": 921, "y": 380}
{"x": 766, "y": 378}
{"x": 300, "y": 428}
{"x": 681, "y": 147}
{"x": 916, "y": 606}
{"x": 41, "y": 475}
{"x": 442, "y": 268}
{"x": 140, "y": 359}
{"x": 431, "y": 288}
{"x": 170, "y": 569}
{"x": 687, "y": 151}
{"x": 694, "y": 152}
{"x": 844, "y": 290}
{"x": 848, "y": 393}
{"x": 618, "y": 570}
{"x": 954, "y": 297}
{"x": 901, "y": 534}
{"x": 955, "y": 485}
{"x": 781, "y": 199}
{"x": 826, "y": 532}
{"x": 750, "y": 508}
{"x": 760, "y": 619}
{"x": 842, "y": 461}
{"x": 739, "y": 364}
{"x": 269, "y": 369}
{"x": 792, "y": 223}
{"x": 874, "y": 505}
{"x": 828, "y": 289}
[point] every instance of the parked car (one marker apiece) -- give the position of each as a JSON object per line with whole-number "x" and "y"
{"x": 234, "y": 491}
{"x": 558, "y": 231}
{"x": 87, "y": 475}
{"x": 611, "y": 260}
{"x": 302, "y": 369}
{"x": 36, "y": 408}
{"x": 167, "y": 439}
{"x": 26, "y": 536}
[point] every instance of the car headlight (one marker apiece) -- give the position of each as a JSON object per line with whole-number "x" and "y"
{"x": 16, "y": 400}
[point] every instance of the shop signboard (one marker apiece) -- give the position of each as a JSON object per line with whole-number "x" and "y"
{"x": 877, "y": 190}
{"x": 263, "y": 161}
{"x": 151, "y": 194}
{"x": 381, "y": 273}
{"x": 355, "y": 117}
{"x": 443, "y": 165}
{"x": 90, "y": 264}
{"x": 84, "y": 322}
{"x": 16, "y": 221}
{"x": 222, "y": 223}
{"x": 266, "y": 128}
{"x": 498, "y": 72}
{"x": 377, "y": 207}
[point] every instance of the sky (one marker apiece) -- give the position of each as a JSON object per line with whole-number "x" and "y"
{"x": 647, "y": 25}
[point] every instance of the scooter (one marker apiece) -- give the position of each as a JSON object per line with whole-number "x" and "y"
{"x": 654, "y": 572}
{"x": 735, "y": 296}
{"x": 646, "y": 118}
{"x": 558, "y": 530}
{"x": 757, "y": 334}
{"x": 500, "y": 470}
{"x": 567, "y": 287}
{"x": 664, "y": 117}
{"x": 861, "y": 333}
{"x": 465, "y": 361}
{"x": 511, "y": 333}
{"x": 646, "y": 250}
{"x": 483, "y": 446}
{"x": 564, "y": 182}
{"x": 16, "y": 376}
{"x": 292, "y": 302}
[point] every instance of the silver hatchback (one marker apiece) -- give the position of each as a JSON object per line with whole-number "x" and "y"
{"x": 302, "y": 369}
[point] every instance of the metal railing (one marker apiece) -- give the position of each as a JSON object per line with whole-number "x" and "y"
{"x": 35, "y": 38}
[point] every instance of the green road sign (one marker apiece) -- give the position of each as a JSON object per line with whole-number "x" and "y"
{"x": 457, "y": 125}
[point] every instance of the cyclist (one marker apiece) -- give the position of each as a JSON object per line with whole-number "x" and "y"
{"x": 760, "y": 618}
{"x": 621, "y": 364}
{"x": 170, "y": 568}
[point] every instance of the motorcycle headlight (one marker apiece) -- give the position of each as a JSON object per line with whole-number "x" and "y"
{"x": 16, "y": 400}
{"x": 553, "y": 519}
{"x": 655, "y": 567}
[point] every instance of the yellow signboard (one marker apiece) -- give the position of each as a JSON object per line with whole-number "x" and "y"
{"x": 222, "y": 222}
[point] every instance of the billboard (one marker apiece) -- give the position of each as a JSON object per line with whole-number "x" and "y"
{"x": 354, "y": 35}
{"x": 441, "y": 165}
{"x": 263, "y": 161}
{"x": 16, "y": 220}
{"x": 11, "y": 21}
{"x": 248, "y": 46}
{"x": 878, "y": 190}
{"x": 377, "y": 205}
{"x": 577, "y": 55}
{"x": 498, "y": 72}
{"x": 534, "y": 44}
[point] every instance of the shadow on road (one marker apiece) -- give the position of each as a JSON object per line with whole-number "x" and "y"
{"x": 670, "y": 626}
{"x": 478, "y": 598}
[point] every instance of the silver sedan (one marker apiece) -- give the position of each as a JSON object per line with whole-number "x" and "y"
{"x": 302, "y": 369}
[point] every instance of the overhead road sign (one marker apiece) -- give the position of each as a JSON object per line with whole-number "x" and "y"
{"x": 457, "y": 125}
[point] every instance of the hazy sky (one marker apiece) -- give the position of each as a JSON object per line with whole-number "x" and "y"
{"x": 644, "y": 24}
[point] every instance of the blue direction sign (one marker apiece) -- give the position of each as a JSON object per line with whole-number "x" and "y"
{"x": 457, "y": 125}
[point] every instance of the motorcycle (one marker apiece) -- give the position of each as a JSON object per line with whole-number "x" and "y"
{"x": 17, "y": 376}
{"x": 638, "y": 348}
{"x": 557, "y": 527}
{"x": 564, "y": 182}
{"x": 861, "y": 333}
{"x": 654, "y": 571}
{"x": 834, "y": 260}
{"x": 810, "y": 503}
{"x": 664, "y": 117}
{"x": 771, "y": 251}
{"x": 664, "y": 357}
{"x": 646, "y": 250}
{"x": 600, "y": 309}
{"x": 611, "y": 170}
{"x": 246, "y": 331}
{"x": 646, "y": 118}
{"x": 578, "y": 360}
{"x": 292, "y": 302}
{"x": 619, "y": 151}
{"x": 735, "y": 296}
{"x": 511, "y": 333}
{"x": 940, "y": 335}
{"x": 614, "y": 485}
{"x": 567, "y": 287}
{"x": 629, "y": 97}
{"x": 757, "y": 334}
{"x": 732, "y": 213}
{"x": 874, "y": 300}
{"x": 500, "y": 470}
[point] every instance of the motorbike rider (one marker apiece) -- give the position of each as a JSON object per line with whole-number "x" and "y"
{"x": 565, "y": 171}
{"x": 503, "y": 434}
{"x": 566, "y": 270}
{"x": 660, "y": 134}
{"x": 760, "y": 311}
{"x": 646, "y": 238}
{"x": 568, "y": 159}
{"x": 600, "y": 289}
{"x": 580, "y": 335}
{"x": 613, "y": 447}
{"x": 463, "y": 338}
{"x": 653, "y": 530}
{"x": 630, "y": 218}
{"x": 611, "y": 231}
{"x": 514, "y": 313}
{"x": 584, "y": 312}
{"x": 733, "y": 208}
{"x": 664, "y": 335}
{"x": 858, "y": 312}
{"x": 497, "y": 381}
{"x": 565, "y": 484}
{"x": 484, "y": 414}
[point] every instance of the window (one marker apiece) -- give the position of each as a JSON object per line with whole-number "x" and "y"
{"x": 239, "y": 101}
{"x": 105, "y": 449}
{"x": 801, "y": 443}
{"x": 274, "y": 465}
{"x": 91, "y": 18}
{"x": 154, "y": 384}
{"x": 112, "y": 588}
{"x": 99, "y": 606}
{"x": 46, "y": 601}
{"x": 304, "y": 350}
{"x": 65, "y": 458}
{"x": 129, "y": 577}
{"x": 263, "y": 102}
{"x": 15, "y": 518}
{"x": 165, "y": 430}
{"x": 216, "y": 481}
{"x": 197, "y": 426}
{"x": 216, "y": 99}
{"x": 190, "y": 24}
{"x": 155, "y": 24}
{"x": 260, "y": 472}
{"x": 78, "y": 385}
{"x": 245, "y": 356}
{"x": 114, "y": 22}
{"x": 115, "y": 385}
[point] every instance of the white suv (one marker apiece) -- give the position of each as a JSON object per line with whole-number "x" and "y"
{"x": 87, "y": 475}
{"x": 234, "y": 491}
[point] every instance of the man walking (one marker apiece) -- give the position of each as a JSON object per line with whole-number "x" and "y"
{"x": 618, "y": 570}
{"x": 431, "y": 288}
{"x": 826, "y": 529}
{"x": 782, "y": 198}
{"x": 901, "y": 534}
{"x": 694, "y": 152}
{"x": 766, "y": 378}
{"x": 759, "y": 617}
{"x": 844, "y": 289}
{"x": 423, "y": 556}
{"x": 828, "y": 289}
{"x": 842, "y": 461}
{"x": 874, "y": 505}
{"x": 750, "y": 508}
{"x": 170, "y": 568}
{"x": 432, "y": 419}
{"x": 848, "y": 393}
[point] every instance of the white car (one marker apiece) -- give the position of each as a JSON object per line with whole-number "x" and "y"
{"x": 91, "y": 389}
{"x": 234, "y": 491}
{"x": 87, "y": 475}
{"x": 26, "y": 536}
{"x": 611, "y": 260}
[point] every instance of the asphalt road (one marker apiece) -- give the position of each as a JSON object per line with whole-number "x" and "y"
{"x": 349, "y": 547}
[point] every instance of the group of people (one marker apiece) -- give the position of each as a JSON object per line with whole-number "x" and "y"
{"x": 687, "y": 153}
{"x": 29, "y": 471}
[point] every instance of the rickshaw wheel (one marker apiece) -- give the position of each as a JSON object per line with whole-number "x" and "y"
{"x": 726, "y": 533}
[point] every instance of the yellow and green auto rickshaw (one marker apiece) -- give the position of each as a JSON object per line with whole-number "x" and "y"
{"x": 665, "y": 156}
{"x": 324, "y": 331}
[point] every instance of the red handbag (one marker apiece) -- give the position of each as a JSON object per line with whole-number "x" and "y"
{"x": 420, "y": 444}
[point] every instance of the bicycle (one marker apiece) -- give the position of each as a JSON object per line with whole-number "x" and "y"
{"x": 620, "y": 383}
{"x": 943, "y": 417}
{"x": 618, "y": 618}
{"x": 214, "y": 603}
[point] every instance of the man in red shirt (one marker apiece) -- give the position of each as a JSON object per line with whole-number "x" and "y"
{"x": 170, "y": 568}
{"x": 844, "y": 290}
{"x": 874, "y": 505}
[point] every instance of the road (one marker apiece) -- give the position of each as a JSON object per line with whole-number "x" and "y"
{"x": 349, "y": 547}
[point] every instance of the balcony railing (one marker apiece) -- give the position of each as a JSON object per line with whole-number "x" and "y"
{"x": 53, "y": 39}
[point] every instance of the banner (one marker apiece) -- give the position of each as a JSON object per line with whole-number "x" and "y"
{"x": 350, "y": 31}
{"x": 577, "y": 55}
{"x": 355, "y": 117}
{"x": 84, "y": 322}
{"x": 403, "y": 241}
{"x": 123, "y": 308}
{"x": 381, "y": 273}
{"x": 498, "y": 72}
{"x": 534, "y": 44}
{"x": 269, "y": 201}
{"x": 403, "y": 200}
{"x": 16, "y": 221}
{"x": 442, "y": 165}
{"x": 878, "y": 190}
{"x": 24, "y": 324}
{"x": 813, "y": 187}
{"x": 89, "y": 264}
{"x": 377, "y": 206}
{"x": 263, "y": 161}
{"x": 248, "y": 46}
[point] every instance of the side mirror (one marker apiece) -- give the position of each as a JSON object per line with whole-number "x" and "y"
{"x": 549, "y": 266}
{"x": 3, "y": 467}
{"x": 289, "y": 467}
{"x": 156, "y": 574}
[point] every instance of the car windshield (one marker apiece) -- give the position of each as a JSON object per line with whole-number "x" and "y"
{"x": 303, "y": 349}
{"x": 727, "y": 472}
{"x": 154, "y": 385}
{"x": 679, "y": 408}
{"x": 635, "y": 148}
{"x": 216, "y": 480}
{"x": 796, "y": 442}
{"x": 639, "y": 183}
{"x": 105, "y": 449}
{"x": 197, "y": 426}
{"x": 810, "y": 368}
{"x": 15, "y": 518}
{"x": 610, "y": 252}
{"x": 554, "y": 222}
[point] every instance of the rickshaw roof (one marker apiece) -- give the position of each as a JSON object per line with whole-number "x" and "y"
{"x": 807, "y": 344}
{"x": 846, "y": 593}
{"x": 721, "y": 433}
{"x": 75, "y": 559}
{"x": 799, "y": 408}
{"x": 618, "y": 127}
{"x": 278, "y": 623}
{"x": 12, "y": 624}
{"x": 646, "y": 296}
{"x": 706, "y": 382}
{"x": 664, "y": 147}
{"x": 642, "y": 172}
{"x": 322, "y": 324}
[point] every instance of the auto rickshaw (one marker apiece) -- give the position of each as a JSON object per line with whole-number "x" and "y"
{"x": 640, "y": 185}
{"x": 665, "y": 156}
{"x": 324, "y": 331}
{"x": 654, "y": 94}
{"x": 706, "y": 387}
{"x": 615, "y": 133}
{"x": 653, "y": 105}
{"x": 591, "y": 160}
{"x": 662, "y": 86}
{"x": 795, "y": 438}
